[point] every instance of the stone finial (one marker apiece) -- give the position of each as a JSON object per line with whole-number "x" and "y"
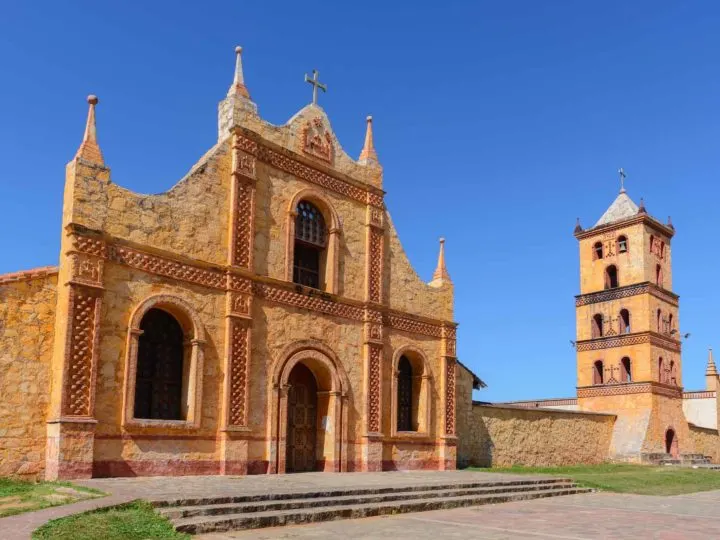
{"x": 238, "y": 85}
{"x": 711, "y": 374}
{"x": 578, "y": 227}
{"x": 670, "y": 223}
{"x": 641, "y": 208}
{"x": 89, "y": 149}
{"x": 441, "y": 274}
{"x": 368, "y": 154}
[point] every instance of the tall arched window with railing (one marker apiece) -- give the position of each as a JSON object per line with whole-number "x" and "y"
{"x": 310, "y": 245}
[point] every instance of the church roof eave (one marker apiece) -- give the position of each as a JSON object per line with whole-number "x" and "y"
{"x": 639, "y": 218}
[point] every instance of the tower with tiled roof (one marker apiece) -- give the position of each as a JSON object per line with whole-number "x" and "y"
{"x": 628, "y": 340}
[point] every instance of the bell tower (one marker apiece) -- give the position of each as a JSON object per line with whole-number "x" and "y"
{"x": 628, "y": 346}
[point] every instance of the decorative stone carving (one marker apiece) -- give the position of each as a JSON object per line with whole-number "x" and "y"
{"x": 450, "y": 365}
{"x": 242, "y": 233}
{"x": 238, "y": 372}
{"x": 80, "y": 376}
{"x": 413, "y": 326}
{"x": 317, "y": 141}
{"x": 375, "y": 260}
{"x": 374, "y": 369}
{"x": 627, "y": 340}
{"x": 86, "y": 269}
{"x": 624, "y": 292}
{"x": 631, "y": 388}
{"x": 307, "y": 301}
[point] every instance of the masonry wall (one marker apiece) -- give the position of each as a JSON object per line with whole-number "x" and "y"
{"x": 706, "y": 441}
{"x": 506, "y": 436}
{"x": 27, "y": 317}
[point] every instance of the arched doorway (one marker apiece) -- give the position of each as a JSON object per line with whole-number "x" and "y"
{"x": 302, "y": 422}
{"x": 315, "y": 367}
{"x": 671, "y": 443}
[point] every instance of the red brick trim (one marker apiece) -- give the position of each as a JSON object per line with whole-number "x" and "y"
{"x": 640, "y": 218}
{"x": 628, "y": 290}
{"x": 27, "y": 275}
{"x": 626, "y": 340}
{"x": 699, "y": 394}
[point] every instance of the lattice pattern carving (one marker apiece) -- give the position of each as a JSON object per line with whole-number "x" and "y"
{"x": 302, "y": 171}
{"x": 627, "y": 340}
{"x": 449, "y": 396}
{"x": 633, "y": 388}
{"x": 243, "y": 225}
{"x": 240, "y": 284}
{"x": 305, "y": 301}
{"x": 375, "y": 266}
{"x": 374, "y": 369}
{"x": 89, "y": 245}
{"x": 168, "y": 268}
{"x": 413, "y": 326}
{"x": 238, "y": 372}
{"x": 78, "y": 385}
{"x": 624, "y": 292}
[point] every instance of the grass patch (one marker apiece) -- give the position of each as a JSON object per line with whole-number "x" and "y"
{"x": 625, "y": 478}
{"x": 17, "y": 496}
{"x": 132, "y": 521}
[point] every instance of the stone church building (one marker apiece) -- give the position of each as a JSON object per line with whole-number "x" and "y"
{"x": 259, "y": 317}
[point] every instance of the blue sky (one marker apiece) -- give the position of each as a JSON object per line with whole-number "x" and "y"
{"x": 497, "y": 123}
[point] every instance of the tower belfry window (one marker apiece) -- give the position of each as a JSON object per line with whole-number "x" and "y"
{"x": 597, "y": 326}
{"x": 611, "y": 277}
{"x": 624, "y": 321}
{"x": 622, "y": 244}
{"x": 597, "y": 251}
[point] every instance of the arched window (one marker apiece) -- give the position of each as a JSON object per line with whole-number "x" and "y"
{"x": 659, "y": 275}
{"x": 652, "y": 244}
{"x": 625, "y": 370}
{"x": 310, "y": 243}
{"x": 611, "y": 277}
{"x": 662, "y": 250}
{"x": 597, "y": 326}
{"x": 673, "y": 373}
{"x": 622, "y": 244}
{"x": 670, "y": 324}
{"x": 159, "y": 375}
{"x": 659, "y": 321}
{"x": 597, "y": 251}
{"x": 598, "y": 372}
{"x": 405, "y": 395}
{"x": 624, "y": 321}
{"x": 661, "y": 370}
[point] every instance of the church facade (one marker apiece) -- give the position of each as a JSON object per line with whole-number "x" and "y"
{"x": 259, "y": 317}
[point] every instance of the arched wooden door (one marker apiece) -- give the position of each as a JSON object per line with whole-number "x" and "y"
{"x": 302, "y": 420}
{"x": 671, "y": 443}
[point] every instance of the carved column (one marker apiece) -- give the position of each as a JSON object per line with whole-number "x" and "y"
{"x": 373, "y": 348}
{"x": 71, "y": 425}
{"x": 448, "y": 443}
{"x": 234, "y": 440}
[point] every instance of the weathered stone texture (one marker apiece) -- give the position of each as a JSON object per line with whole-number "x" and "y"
{"x": 706, "y": 442}
{"x": 27, "y": 317}
{"x": 506, "y": 436}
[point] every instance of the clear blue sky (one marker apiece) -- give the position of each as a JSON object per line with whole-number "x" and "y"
{"x": 497, "y": 123}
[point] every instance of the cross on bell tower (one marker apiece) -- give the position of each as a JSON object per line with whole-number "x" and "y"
{"x": 622, "y": 175}
{"x": 315, "y": 84}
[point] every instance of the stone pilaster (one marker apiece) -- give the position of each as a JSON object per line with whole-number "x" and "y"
{"x": 238, "y": 315}
{"x": 71, "y": 423}
{"x": 374, "y": 345}
{"x": 448, "y": 445}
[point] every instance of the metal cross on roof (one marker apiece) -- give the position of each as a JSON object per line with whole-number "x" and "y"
{"x": 621, "y": 173}
{"x": 316, "y": 84}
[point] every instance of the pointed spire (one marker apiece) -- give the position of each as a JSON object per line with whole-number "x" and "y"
{"x": 89, "y": 149}
{"x": 670, "y": 223}
{"x": 641, "y": 209}
{"x": 441, "y": 273}
{"x": 368, "y": 153}
{"x": 238, "y": 86}
{"x": 711, "y": 369}
{"x": 578, "y": 227}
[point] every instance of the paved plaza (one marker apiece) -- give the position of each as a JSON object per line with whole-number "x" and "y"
{"x": 576, "y": 517}
{"x": 590, "y": 516}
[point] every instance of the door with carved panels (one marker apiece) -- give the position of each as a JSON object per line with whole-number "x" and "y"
{"x": 302, "y": 420}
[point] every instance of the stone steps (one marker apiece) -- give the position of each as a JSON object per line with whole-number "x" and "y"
{"x": 219, "y": 514}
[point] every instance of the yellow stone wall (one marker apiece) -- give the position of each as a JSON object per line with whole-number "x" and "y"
{"x": 706, "y": 441}
{"x": 631, "y": 265}
{"x": 500, "y": 436}
{"x": 27, "y": 318}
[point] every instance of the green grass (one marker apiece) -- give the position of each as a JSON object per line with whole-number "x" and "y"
{"x": 17, "y": 496}
{"x": 624, "y": 478}
{"x": 131, "y": 521}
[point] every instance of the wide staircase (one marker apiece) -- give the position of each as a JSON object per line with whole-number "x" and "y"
{"x": 226, "y": 513}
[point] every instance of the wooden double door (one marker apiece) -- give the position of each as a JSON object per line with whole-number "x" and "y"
{"x": 302, "y": 421}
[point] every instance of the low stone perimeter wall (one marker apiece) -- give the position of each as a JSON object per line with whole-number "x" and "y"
{"x": 706, "y": 441}
{"x": 502, "y": 436}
